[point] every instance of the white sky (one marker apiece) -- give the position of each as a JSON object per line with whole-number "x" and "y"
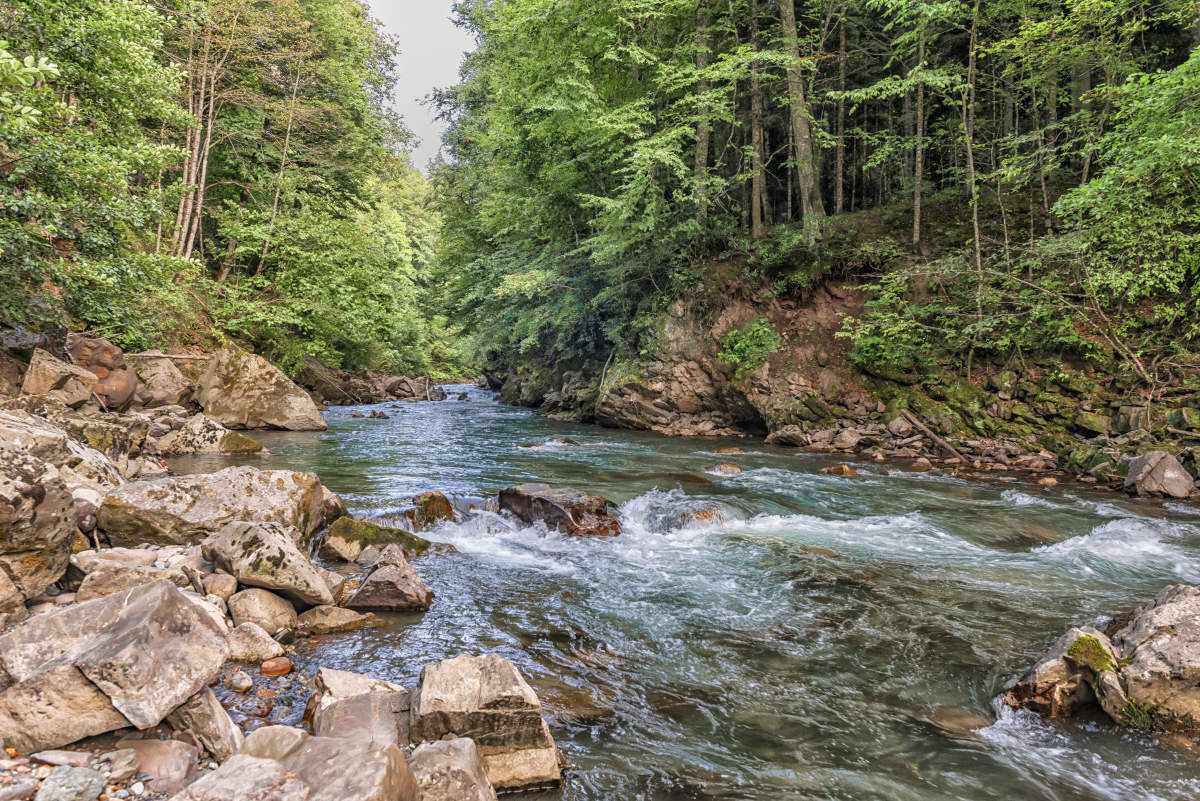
{"x": 431, "y": 49}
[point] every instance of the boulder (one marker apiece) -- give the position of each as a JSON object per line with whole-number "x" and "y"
{"x": 487, "y": 699}
{"x": 12, "y": 603}
{"x": 429, "y": 509}
{"x": 250, "y": 642}
{"x": 1158, "y": 473}
{"x": 203, "y": 716}
{"x": 41, "y": 438}
{"x": 12, "y": 373}
{"x": 56, "y": 379}
{"x": 393, "y": 586}
{"x": 265, "y": 555}
{"x": 37, "y": 522}
{"x": 451, "y": 770}
{"x": 127, "y": 659}
{"x": 202, "y": 434}
{"x": 241, "y": 390}
{"x": 347, "y": 537}
{"x": 116, "y": 380}
{"x": 263, "y": 608}
{"x": 186, "y": 509}
{"x": 377, "y": 718}
{"x": 162, "y": 384}
{"x": 170, "y": 764}
{"x": 567, "y": 510}
{"x": 1144, "y": 675}
{"x": 331, "y": 686}
{"x": 330, "y": 619}
{"x": 298, "y": 767}
{"x": 115, "y": 578}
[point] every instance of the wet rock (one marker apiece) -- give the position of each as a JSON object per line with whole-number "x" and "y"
{"x": 954, "y": 722}
{"x": 36, "y": 525}
{"x": 451, "y": 770}
{"x": 566, "y": 510}
{"x": 58, "y": 380}
{"x": 347, "y": 538}
{"x": 1158, "y": 473}
{"x": 242, "y": 390}
{"x": 840, "y": 470}
{"x": 239, "y": 681}
{"x": 203, "y": 434}
{"x": 264, "y": 609}
{"x": 170, "y": 764}
{"x": 86, "y": 669}
{"x": 486, "y": 698}
{"x": 393, "y": 586}
{"x": 265, "y": 555}
{"x": 790, "y": 436}
{"x": 330, "y": 619}
{"x": 279, "y": 666}
{"x": 186, "y": 509}
{"x": 429, "y": 509}
{"x": 116, "y": 380}
{"x": 377, "y": 718}
{"x": 203, "y": 715}
{"x": 921, "y": 465}
{"x": 304, "y": 768}
{"x": 161, "y": 383}
{"x": 71, "y": 784}
{"x": 725, "y": 469}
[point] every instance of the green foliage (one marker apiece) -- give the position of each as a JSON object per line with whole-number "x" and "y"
{"x": 749, "y": 346}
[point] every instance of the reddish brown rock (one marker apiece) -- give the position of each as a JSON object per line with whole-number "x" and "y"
{"x": 279, "y": 666}
{"x": 567, "y": 510}
{"x": 116, "y": 380}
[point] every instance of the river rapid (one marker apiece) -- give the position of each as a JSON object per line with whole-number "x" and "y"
{"x": 824, "y": 640}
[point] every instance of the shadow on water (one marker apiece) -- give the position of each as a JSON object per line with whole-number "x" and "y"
{"x": 796, "y": 643}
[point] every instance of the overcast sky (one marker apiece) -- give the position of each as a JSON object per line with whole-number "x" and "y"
{"x": 431, "y": 49}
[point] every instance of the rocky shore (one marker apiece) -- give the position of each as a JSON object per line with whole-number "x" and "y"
{"x": 149, "y": 622}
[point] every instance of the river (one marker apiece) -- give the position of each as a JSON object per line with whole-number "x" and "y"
{"x": 805, "y": 647}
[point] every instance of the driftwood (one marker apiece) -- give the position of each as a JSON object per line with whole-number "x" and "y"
{"x": 946, "y": 446}
{"x": 165, "y": 356}
{"x": 1179, "y": 432}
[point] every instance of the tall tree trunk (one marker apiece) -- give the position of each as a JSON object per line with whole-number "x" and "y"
{"x": 919, "y": 146}
{"x": 757, "y": 178}
{"x": 972, "y": 182}
{"x": 807, "y": 171}
{"x": 287, "y": 140}
{"x": 703, "y": 124}
{"x": 839, "y": 186}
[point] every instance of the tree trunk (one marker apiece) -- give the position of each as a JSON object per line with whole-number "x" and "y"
{"x": 972, "y": 182}
{"x": 287, "y": 140}
{"x": 839, "y": 187}
{"x": 919, "y": 146}
{"x": 703, "y": 125}
{"x": 756, "y": 133}
{"x": 808, "y": 174}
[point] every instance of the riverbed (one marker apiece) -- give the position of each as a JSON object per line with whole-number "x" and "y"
{"x": 824, "y": 637}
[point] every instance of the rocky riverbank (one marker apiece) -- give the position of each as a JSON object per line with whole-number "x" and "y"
{"x": 732, "y": 362}
{"x": 149, "y": 622}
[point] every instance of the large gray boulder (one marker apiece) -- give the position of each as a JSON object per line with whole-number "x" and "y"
{"x": 451, "y": 770}
{"x": 1158, "y": 473}
{"x": 393, "y": 586}
{"x": 161, "y": 383}
{"x": 203, "y": 434}
{"x": 265, "y": 555}
{"x": 242, "y": 390}
{"x": 127, "y": 659}
{"x": 1145, "y": 675}
{"x": 331, "y": 686}
{"x": 487, "y": 699}
{"x": 39, "y": 437}
{"x": 265, "y": 609}
{"x": 56, "y": 379}
{"x": 37, "y": 522}
{"x": 377, "y": 718}
{"x": 279, "y": 763}
{"x": 567, "y": 510}
{"x": 186, "y": 509}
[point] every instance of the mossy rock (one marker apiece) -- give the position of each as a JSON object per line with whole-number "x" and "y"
{"x": 364, "y": 534}
{"x": 1089, "y": 652}
{"x": 1093, "y": 422}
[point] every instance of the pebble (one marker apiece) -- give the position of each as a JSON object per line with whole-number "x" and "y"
{"x": 239, "y": 682}
{"x": 137, "y": 788}
{"x": 279, "y": 666}
{"x": 123, "y": 764}
{"x": 79, "y": 759}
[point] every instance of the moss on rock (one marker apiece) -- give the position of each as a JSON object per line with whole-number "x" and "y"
{"x": 365, "y": 534}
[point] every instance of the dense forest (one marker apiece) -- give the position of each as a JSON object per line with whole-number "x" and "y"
{"x": 1017, "y": 176}
{"x": 189, "y": 171}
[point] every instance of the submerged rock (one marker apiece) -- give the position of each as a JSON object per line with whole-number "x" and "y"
{"x": 1143, "y": 676}
{"x": 186, "y": 509}
{"x": 567, "y": 510}
{"x": 242, "y": 390}
{"x": 487, "y": 699}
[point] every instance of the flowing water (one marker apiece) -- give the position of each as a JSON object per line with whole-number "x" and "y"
{"x": 804, "y": 645}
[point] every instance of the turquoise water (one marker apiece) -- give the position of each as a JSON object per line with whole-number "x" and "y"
{"x": 802, "y": 646}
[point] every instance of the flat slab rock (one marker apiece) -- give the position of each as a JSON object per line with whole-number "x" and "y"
{"x": 566, "y": 510}
{"x": 127, "y": 659}
{"x": 185, "y": 510}
{"x": 280, "y": 763}
{"x": 487, "y": 699}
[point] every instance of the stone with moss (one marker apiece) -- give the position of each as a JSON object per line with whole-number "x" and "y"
{"x": 347, "y": 538}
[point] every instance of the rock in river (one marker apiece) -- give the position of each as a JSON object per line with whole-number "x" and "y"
{"x": 1159, "y": 473}
{"x": 203, "y": 434}
{"x": 242, "y": 390}
{"x": 186, "y": 509}
{"x": 567, "y": 510}
{"x": 451, "y": 770}
{"x": 127, "y": 659}
{"x": 265, "y": 555}
{"x": 347, "y": 537}
{"x": 393, "y": 586}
